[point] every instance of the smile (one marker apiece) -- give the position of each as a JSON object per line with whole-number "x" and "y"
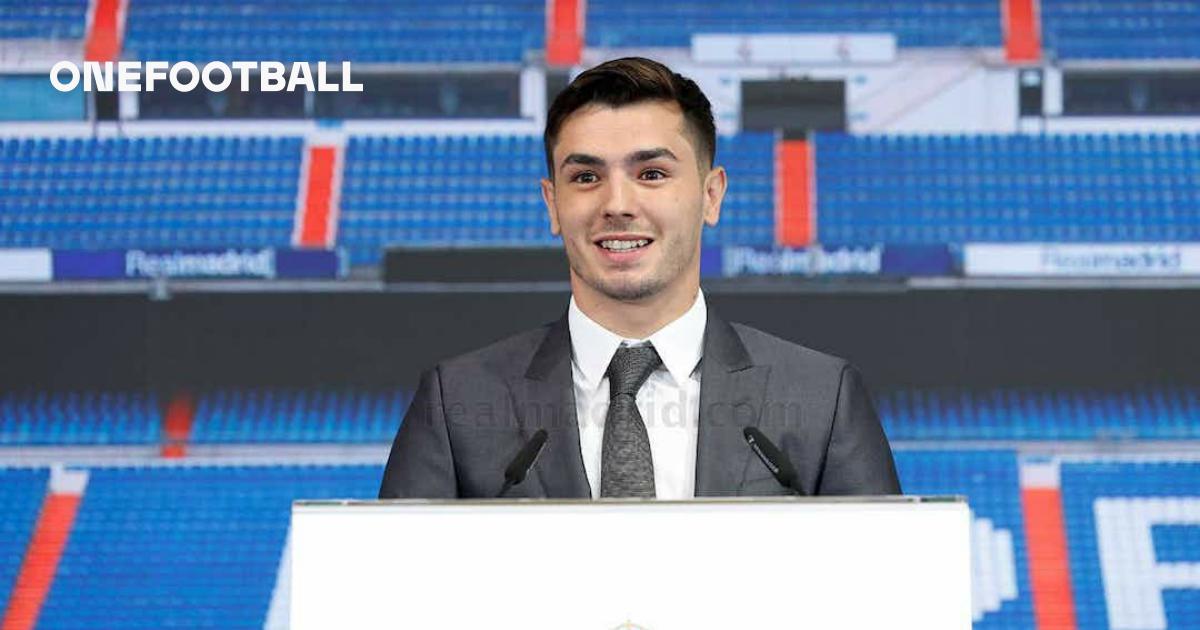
{"x": 616, "y": 245}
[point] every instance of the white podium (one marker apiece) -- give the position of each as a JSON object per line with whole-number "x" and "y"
{"x": 888, "y": 562}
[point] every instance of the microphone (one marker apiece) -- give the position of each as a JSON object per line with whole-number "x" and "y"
{"x": 520, "y": 465}
{"x": 774, "y": 459}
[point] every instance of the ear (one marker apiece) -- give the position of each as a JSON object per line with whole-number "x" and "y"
{"x": 551, "y": 208}
{"x": 714, "y": 193}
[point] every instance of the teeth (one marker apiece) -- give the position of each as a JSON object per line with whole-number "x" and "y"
{"x": 623, "y": 245}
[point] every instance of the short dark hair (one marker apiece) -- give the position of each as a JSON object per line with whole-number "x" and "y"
{"x": 633, "y": 80}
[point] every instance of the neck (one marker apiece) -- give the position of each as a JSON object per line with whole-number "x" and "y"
{"x": 635, "y": 319}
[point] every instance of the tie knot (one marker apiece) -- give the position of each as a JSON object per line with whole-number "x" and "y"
{"x": 629, "y": 369}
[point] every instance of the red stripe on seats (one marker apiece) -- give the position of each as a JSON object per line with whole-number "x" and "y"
{"x": 1022, "y": 30}
{"x": 314, "y": 228}
{"x": 41, "y": 561}
{"x": 177, "y": 425}
{"x": 794, "y": 213}
{"x": 1049, "y": 569}
{"x": 564, "y": 32}
{"x": 104, "y": 33}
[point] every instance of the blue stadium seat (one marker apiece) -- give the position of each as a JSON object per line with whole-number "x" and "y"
{"x": 625, "y": 23}
{"x": 181, "y": 546}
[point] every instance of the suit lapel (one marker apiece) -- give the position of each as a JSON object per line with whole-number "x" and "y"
{"x": 544, "y": 398}
{"x": 731, "y": 398}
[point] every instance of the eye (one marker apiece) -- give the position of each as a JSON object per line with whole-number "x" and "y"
{"x": 585, "y": 177}
{"x": 653, "y": 174}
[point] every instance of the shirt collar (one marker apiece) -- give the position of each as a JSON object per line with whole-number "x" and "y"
{"x": 679, "y": 343}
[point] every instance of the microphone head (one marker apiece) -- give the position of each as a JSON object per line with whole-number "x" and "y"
{"x": 774, "y": 459}
{"x": 539, "y": 438}
{"x": 520, "y": 465}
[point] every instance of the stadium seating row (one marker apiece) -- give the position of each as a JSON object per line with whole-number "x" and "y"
{"x": 148, "y": 192}
{"x": 48, "y": 19}
{"x": 238, "y": 416}
{"x": 354, "y": 416}
{"x": 181, "y": 546}
{"x": 458, "y": 31}
{"x": 84, "y": 417}
{"x": 913, "y": 190}
{"x": 452, "y": 31}
{"x": 1121, "y": 29}
{"x": 1053, "y": 188}
{"x": 1156, "y": 413}
{"x": 200, "y": 545}
{"x": 673, "y": 22}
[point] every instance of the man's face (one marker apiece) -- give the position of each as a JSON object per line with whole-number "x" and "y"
{"x": 629, "y": 198}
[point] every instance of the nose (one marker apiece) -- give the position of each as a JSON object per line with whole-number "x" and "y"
{"x": 622, "y": 199}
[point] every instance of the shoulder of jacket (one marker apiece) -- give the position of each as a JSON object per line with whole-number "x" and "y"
{"x": 770, "y": 349}
{"x": 514, "y": 351}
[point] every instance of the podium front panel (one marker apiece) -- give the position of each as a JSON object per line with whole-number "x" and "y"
{"x": 901, "y": 562}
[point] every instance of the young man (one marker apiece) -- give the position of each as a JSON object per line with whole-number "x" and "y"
{"x": 642, "y": 390}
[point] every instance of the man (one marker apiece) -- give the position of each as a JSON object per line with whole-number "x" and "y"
{"x": 642, "y": 390}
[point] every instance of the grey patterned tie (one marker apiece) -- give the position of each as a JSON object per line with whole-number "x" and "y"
{"x": 626, "y": 465}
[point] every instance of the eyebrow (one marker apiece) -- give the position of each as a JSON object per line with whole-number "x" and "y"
{"x": 643, "y": 155}
{"x": 646, "y": 155}
{"x": 582, "y": 158}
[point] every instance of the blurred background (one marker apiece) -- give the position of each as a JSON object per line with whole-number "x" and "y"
{"x": 212, "y": 304}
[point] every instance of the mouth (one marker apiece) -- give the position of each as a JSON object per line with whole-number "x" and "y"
{"x": 623, "y": 244}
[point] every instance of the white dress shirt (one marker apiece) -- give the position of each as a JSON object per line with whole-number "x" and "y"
{"x": 669, "y": 401}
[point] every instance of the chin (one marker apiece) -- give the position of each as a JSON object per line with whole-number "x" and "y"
{"x": 628, "y": 289}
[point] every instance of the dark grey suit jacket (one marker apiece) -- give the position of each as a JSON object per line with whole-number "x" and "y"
{"x": 472, "y": 413}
